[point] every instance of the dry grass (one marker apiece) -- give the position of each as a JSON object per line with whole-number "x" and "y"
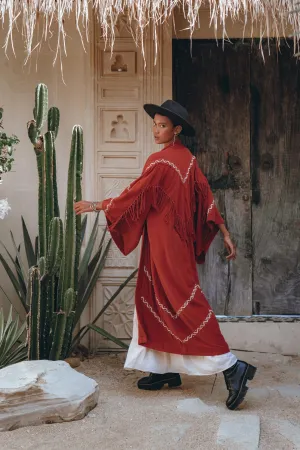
{"x": 40, "y": 19}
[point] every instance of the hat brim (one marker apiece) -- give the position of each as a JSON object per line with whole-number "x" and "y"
{"x": 152, "y": 110}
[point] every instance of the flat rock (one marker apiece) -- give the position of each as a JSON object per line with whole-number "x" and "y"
{"x": 194, "y": 406}
{"x": 37, "y": 392}
{"x": 239, "y": 431}
{"x": 290, "y": 430}
{"x": 289, "y": 390}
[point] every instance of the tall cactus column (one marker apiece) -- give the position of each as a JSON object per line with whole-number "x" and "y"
{"x": 53, "y": 285}
{"x": 72, "y": 231}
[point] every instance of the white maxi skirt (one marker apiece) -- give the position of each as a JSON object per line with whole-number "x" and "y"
{"x": 148, "y": 360}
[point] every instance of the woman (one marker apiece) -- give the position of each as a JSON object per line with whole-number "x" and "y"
{"x": 172, "y": 207}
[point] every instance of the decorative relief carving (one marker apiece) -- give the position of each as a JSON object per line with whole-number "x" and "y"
{"x": 123, "y": 26}
{"x": 116, "y": 259}
{"x": 119, "y": 126}
{"x": 118, "y": 317}
{"x": 119, "y": 129}
{"x": 113, "y": 187}
{"x": 119, "y": 64}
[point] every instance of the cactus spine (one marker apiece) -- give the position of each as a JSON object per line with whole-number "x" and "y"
{"x": 52, "y": 289}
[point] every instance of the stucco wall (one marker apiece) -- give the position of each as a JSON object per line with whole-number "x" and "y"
{"x": 17, "y": 85}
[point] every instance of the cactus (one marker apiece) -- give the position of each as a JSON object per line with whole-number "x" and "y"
{"x": 34, "y": 302}
{"x": 41, "y": 105}
{"x": 52, "y": 289}
{"x": 55, "y": 251}
{"x": 60, "y": 325}
{"x": 53, "y": 120}
{"x": 73, "y": 223}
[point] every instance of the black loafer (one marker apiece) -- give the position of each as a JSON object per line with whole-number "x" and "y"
{"x": 156, "y": 381}
{"x": 236, "y": 378}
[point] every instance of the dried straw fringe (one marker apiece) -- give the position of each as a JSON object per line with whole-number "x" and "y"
{"x": 43, "y": 18}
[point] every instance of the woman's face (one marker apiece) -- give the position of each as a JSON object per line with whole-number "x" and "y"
{"x": 164, "y": 130}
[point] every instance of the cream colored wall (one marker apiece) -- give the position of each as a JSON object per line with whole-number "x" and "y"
{"x": 17, "y": 85}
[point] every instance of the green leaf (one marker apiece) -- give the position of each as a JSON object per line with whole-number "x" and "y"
{"x": 10, "y": 334}
{"x": 82, "y": 332}
{"x": 115, "y": 295}
{"x": 23, "y": 270}
{"x": 82, "y": 302}
{"x": 108, "y": 336}
{"x": 83, "y": 228}
{"x": 15, "y": 283}
{"x": 16, "y": 265}
{"x": 89, "y": 248}
{"x": 31, "y": 257}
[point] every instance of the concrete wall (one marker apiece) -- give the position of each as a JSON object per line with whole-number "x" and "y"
{"x": 17, "y": 85}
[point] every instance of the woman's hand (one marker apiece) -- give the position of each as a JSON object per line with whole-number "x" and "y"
{"x": 84, "y": 206}
{"x": 230, "y": 247}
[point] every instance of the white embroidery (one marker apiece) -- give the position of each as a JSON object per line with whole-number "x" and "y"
{"x": 183, "y": 341}
{"x": 211, "y": 207}
{"x": 174, "y": 316}
{"x": 164, "y": 161}
{"x": 109, "y": 205}
{"x": 148, "y": 274}
{"x": 160, "y": 161}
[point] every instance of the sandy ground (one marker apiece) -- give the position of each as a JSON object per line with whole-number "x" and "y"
{"x": 127, "y": 418}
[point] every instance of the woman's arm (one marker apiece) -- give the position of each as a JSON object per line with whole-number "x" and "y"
{"x": 228, "y": 242}
{"x": 84, "y": 206}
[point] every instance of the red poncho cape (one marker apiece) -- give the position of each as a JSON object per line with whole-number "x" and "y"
{"x": 172, "y": 207}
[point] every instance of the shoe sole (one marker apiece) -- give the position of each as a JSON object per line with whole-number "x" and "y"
{"x": 172, "y": 382}
{"x": 248, "y": 375}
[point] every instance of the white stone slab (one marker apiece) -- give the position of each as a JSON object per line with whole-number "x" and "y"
{"x": 194, "y": 406}
{"x": 291, "y": 431}
{"x": 289, "y": 390}
{"x": 239, "y": 431}
{"x": 36, "y": 392}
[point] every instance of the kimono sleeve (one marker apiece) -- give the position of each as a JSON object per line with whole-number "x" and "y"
{"x": 126, "y": 215}
{"x": 208, "y": 218}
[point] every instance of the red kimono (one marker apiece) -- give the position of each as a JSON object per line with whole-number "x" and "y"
{"x": 172, "y": 207}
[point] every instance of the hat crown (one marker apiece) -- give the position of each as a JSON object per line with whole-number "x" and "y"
{"x": 176, "y": 108}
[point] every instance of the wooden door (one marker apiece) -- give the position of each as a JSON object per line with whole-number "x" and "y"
{"x": 275, "y": 154}
{"x": 240, "y": 108}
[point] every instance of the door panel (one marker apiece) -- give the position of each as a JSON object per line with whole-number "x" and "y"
{"x": 275, "y": 151}
{"x": 246, "y": 108}
{"x": 214, "y": 86}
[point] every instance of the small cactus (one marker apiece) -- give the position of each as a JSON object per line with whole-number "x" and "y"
{"x": 41, "y": 105}
{"x": 34, "y": 302}
{"x": 53, "y": 120}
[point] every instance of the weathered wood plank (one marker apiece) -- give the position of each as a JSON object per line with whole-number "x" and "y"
{"x": 275, "y": 150}
{"x": 214, "y": 85}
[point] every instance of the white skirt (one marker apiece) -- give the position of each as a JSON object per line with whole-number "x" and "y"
{"x": 148, "y": 360}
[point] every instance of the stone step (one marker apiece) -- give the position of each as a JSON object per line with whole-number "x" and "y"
{"x": 239, "y": 431}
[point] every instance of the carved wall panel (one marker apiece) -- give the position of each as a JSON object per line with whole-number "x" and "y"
{"x": 119, "y": 126}
{"x": 120, "y": 64}
{"x": 117, "y": 161}
{"x": 112, "y": 93}
{"x": 123, "y": 138}
{"x": 119, "y": 315}
{"x": 112, "y": 186}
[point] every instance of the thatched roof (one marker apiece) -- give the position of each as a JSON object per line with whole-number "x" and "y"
{"x": 39, "y": 19}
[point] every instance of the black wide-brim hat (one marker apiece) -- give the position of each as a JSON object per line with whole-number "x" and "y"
{"x": 174, "y": 111}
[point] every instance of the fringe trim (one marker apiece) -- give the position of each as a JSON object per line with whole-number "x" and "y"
{"x": 201, "y": 188}
{"x": 159, "y": 199}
